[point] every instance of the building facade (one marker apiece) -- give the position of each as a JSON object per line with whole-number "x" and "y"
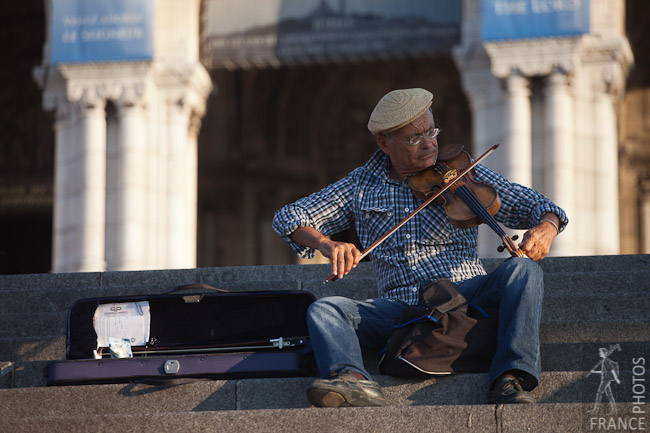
{"x": 180, "y": 157}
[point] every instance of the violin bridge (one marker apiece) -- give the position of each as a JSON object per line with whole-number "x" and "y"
{"x": 448, "y": 173}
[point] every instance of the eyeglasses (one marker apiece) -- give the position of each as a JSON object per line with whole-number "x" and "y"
{"x": 417, "y": 138}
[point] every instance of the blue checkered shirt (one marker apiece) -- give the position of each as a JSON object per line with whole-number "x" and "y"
{"x": 427, "y": 247}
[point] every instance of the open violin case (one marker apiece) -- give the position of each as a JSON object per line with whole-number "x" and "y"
{"x": 192, "y": 332}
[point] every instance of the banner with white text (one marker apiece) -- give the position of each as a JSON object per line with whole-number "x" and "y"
{"x": 101, "y": 31}
{"x": 523, "y": 19}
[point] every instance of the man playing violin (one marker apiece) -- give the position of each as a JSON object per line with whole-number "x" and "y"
{"x": 373, "y": 199}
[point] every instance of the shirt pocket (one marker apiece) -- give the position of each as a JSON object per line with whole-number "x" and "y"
{"x": 435, "y": 228}
{"x": 376, "y": 218}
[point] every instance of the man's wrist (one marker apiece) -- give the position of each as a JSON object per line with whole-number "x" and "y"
{"x": 553, "y": 223}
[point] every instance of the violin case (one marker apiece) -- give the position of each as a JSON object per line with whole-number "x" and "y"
{"x": 192, "y": 332}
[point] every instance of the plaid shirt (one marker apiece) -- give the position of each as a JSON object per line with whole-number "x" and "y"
{"x": 427, "y": 247}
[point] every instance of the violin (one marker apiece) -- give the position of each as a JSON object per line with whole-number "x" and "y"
{"x": 467, "y": 201}
{"x": 431, "y": 180}
{"x": 452, "y": 172}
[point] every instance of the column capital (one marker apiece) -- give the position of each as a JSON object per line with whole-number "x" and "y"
{"x": 129, "y": 97}
{"x": 608, "y": 59}
{"x": 557, "y": 79}
{"x": 532, "y": 57}
{"x": 63, "y": 109}
{"x": 516, "y": 82}
{"x": 184, "y": 88}
{"x": 87, "y": 93}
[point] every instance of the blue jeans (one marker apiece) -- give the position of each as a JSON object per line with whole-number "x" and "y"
{"x": 339, "y": 326}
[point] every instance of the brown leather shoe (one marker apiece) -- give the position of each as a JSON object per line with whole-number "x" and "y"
{"x": 508, "y": 390}
{"x": 345, "y": 390}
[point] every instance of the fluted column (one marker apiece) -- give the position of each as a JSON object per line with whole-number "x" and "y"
{"x": 181, "y": 251}
{"x": 483, "y": 91}
{"x": 126, "y": 249}
{"x": 516, "y": 151}
{"x": 80, "y": 180}
{"x": 559, "y": 153}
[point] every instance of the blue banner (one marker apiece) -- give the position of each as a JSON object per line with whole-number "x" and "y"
{"x": 101, "y": 31}
{"x": 522, "y": 19}
{"x": 270, "y": 32}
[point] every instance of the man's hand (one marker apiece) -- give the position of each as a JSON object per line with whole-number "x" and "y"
{"x": 344, "y": 256}
{"x": 538, "y": 240}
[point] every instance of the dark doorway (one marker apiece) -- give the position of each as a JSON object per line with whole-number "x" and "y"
{"x": 25, "y": 244}
{"x": 26, "y": 144}
{"x": 271, "y": 136}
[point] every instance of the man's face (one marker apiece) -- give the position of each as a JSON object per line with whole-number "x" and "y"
{"x": 405, "y": 158}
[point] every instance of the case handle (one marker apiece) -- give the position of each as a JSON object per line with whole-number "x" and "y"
{"x": 196, "y": 286}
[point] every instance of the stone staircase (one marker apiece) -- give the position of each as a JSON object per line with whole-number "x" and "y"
{"x": 589, "y": 302}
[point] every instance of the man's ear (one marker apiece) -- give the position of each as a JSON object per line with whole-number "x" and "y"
{"x": 382, "y": 142}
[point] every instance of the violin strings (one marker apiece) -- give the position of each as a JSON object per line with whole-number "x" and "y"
{"x": 477, "y": 207}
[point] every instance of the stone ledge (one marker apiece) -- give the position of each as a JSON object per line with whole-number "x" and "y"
{"x": 538, "y": 418}
{"x": 282, "y": 393}
{"x": 236, "y": 277}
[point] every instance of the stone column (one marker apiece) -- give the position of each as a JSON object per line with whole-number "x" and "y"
{"x": 66, "y": 117}
{"x": 483, "y": 92}
{"x": 128, "y": 205}
{"x": 559, "y": 154}
{"x": 181, "y": 249}
{"x": 516, "y": 150}
{"x": 606, "y": 235}
{"x": 80, "y": 179}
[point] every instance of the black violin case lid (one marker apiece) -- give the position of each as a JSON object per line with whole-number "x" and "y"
{"x": 197, "y": 335}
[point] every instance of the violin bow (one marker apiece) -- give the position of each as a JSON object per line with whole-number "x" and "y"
{"x": 386, "y": 235}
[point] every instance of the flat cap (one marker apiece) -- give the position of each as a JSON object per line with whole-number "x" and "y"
{"x": 398, "y": 108}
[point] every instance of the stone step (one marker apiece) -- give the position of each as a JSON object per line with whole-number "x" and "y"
{"x": 49, "y": 347}
{"x": 597, "y": 282}
{"x": 32, "y": 348}
{"x": 619, "y": 330}
{"x": 621, "y": 262}
{"x": 596, "y": 307}
{"x": 44, "y": 299}
{"x": 284, "y": 393}
{"x": 278, "y": 276}
{"x": 555, "y": 357}
{"x": 538, "y": 418}
{"x": 555, "y": 284}
{"x": 590, "y": 302}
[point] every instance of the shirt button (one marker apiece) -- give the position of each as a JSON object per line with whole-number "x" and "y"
{"x": 413, "y": 267}
{"x": 389, "y": 214}
{"x": 415, "y": 289}
{"x": 408, "y": 236}
{"x": 406, "y": 209}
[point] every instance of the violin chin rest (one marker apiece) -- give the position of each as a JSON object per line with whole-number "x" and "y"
{"x": 449, "y": 151}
